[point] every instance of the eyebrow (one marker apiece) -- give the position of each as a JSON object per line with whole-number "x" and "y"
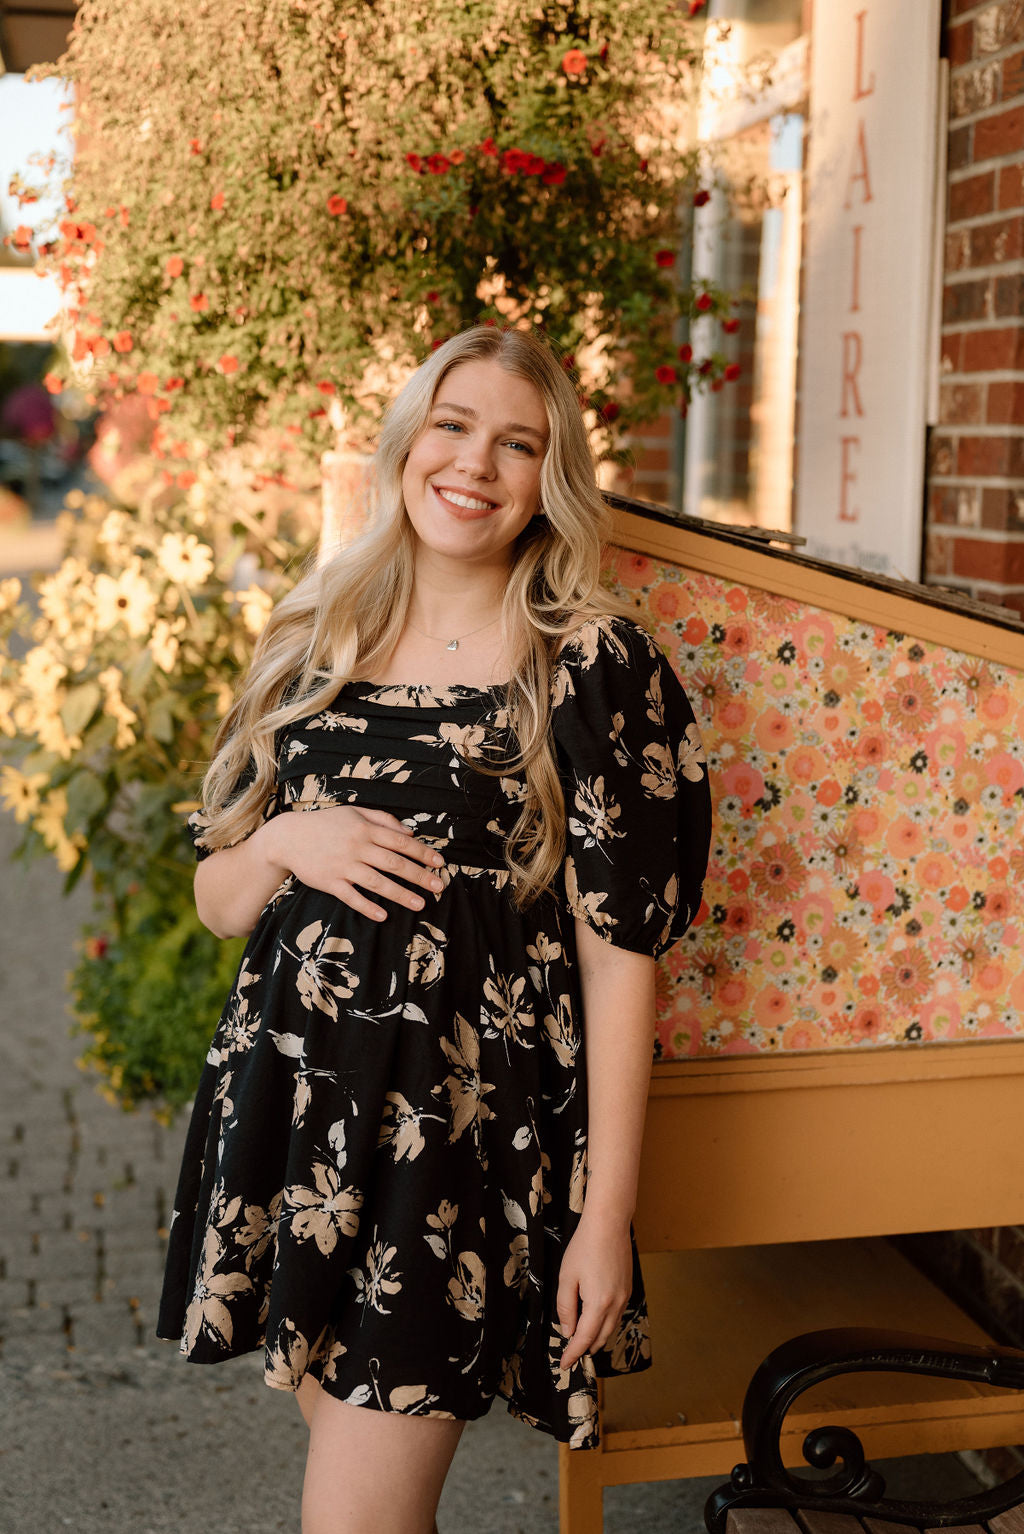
{"x": 474, "y": 415}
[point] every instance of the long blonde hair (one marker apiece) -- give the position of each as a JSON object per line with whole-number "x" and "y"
{"x": 344, "y": 619}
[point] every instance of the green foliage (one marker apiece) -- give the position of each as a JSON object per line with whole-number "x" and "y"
{"x": 340, "y": 184}
{"x": 147, "y": 998}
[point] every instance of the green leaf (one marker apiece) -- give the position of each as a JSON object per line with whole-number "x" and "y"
{"x": 87, "y": 798}
{"x": 80, "y": 705}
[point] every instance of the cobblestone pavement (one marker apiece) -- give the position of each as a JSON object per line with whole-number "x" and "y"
{"x": 105, "y": 1430}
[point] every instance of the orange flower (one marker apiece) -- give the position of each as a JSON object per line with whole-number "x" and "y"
{"x": 326, "y": 387}
{"x": 905, "y": 838}
{"x": 574, "y": 62}
{"x": 228, "y": 363}
{"x": 199, "y": 302}
{"x": 910, "y": 704}
{"x": 336, "y": 206}
{"x": 123, "y": 341}
{"x": 774, "y": 730}
{"x": 736, "y": 598}
{"x": 147, "y": 383}
{"x": 876, "y": 888}
{"x": 186, "y": 477}
{"x": 908, "y": 977}
{"x": 174, "y": 266}
{"x": 957, "y": 899}
{"x": 52, "y": 384}
{"x": 829, "y": 793}
{"x": 772, "y": 1008}
{"x": 779, "y": 872}
{"x": 217, "y": 201}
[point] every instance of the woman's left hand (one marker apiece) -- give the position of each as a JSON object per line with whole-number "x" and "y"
{"x": 594, "y": 1283}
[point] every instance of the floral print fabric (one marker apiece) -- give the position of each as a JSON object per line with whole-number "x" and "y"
{"x": 387, "y": 1154}
{"x": 865, "y": 877}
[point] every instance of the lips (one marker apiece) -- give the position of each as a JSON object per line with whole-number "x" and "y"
{"x": 463, "y": 504}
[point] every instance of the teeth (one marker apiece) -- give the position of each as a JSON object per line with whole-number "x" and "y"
{"x": 465, "y": 501}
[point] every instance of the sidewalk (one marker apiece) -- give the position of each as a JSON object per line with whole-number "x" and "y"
{"x": 105, "y": 1430}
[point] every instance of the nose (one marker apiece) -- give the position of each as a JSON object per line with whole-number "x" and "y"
{"x": 475, "y": 455}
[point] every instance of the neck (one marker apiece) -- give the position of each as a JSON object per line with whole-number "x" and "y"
{"x": 452, "y": 596}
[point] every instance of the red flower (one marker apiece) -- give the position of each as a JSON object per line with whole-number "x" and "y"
{"x": 568, "y": 362}
{"x": 731, "y": 372}
{"x": 187, "y": 477}
{"x": 642, "y": 166}
{"x": 433, "y": 296}
{"x": 730, "y": 326}
{"x": 52, "y": 384}
{"x": 666, "y": 374}
{"x": 123, "y": 211}
{"x": 514, "y": 160}
{"x": 435, "y": 344}
{"x": 686, "y": 352}
{"x": 665, "y": 257}
{"x": 217, "y": 201}
{"x": 228, "y": 363}
{"x": 695, "y": 6}
{"x": 534, "y": 165}
{"x": 554, "y": 173}
{"x": 705, "y": 367}
{"x": 326, "y": 387}
{"x": 315, "y": 415}
{"x": 574, "y": 62}
{"x": 437, "y": 164}
{"x": 609, "y": 411}
{"x": 596, "y": 149}
{"x": 701, "y": 197}
{"x": 489, "y": 147}
{"x": 95, "y": 947}
{"x": 716, "y": 386}
{"x": 172, "y": 384}
{"x": 123, "y": 341}
{"x": 174, "y": 266}
{"x": 336, "y": 205}
{"x": 21, "y": 239}
{"x": 457, "y": 156}
{"x": 415, "y": 163}
{"x": 704, "y": 301}
{"x": 147, "y": 383}
{"x": 199, "y": 302}
{"x": 195, "y": 146}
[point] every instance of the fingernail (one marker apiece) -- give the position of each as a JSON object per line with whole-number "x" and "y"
{"x": 437, "y": 860}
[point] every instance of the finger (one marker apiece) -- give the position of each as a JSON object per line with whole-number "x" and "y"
{"x": 410, "y": 846}
{"x": 567, "y": 1307}
{"x": 584, "y": 1340}
{"x": 381, "y": 818}
{"x": 381, "y": 887}
{"x": 399, "y": 862}
{"x": 348, "y": 893}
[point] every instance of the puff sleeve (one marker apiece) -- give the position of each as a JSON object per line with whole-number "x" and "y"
{"x": 197, "y": 823}
{"x": 634, "y": 776}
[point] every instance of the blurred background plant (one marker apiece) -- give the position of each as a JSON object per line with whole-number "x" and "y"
{"x": 273, "y": 212}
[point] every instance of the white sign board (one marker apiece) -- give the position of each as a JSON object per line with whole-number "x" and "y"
{"x": 866, "y": 310}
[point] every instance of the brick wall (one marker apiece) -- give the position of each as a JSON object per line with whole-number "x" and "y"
{"x": 975, "y": 511}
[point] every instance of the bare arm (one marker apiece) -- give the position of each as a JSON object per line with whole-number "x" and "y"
{"x": 619, "y": 1012}
{"x": 343, "y": 851}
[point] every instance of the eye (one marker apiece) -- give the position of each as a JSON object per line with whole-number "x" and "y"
{"x": 452, "y": 425}
{"x": 524, "y": 447}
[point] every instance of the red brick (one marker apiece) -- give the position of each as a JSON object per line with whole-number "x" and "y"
{"x": 998, "y": 135}
{"x": 1009, "y": 296}
{"x": 944, "y": 505}
{"x": 974, "y": 90}
{"x": 978, "y": 559}
{"x": 952, "y": 351}
{"x": 960, "y": 147}
{"x": 1012, "y": 599}
{"x": 941, "y": 455}
{"x": 1011, "y": 186}
{"x": 1013, "y": 75}
{"x": 986, "y": 350}
{"x": 1003, "y": 508}
{"x": 961, "y": 404}
{"x": 970, "y": 300}
{"x": 972, "y": 196}
{"x": 1001, "y": 240}
{"x": 938, "y": 553}
{"x": 1004, "y": 405}
{"x": 1016, "y": 465}
{"x": 960, "y": 38}
{"x": 994, "y": 27}
{"x": 958, "y": 249}
{"x": 983, "y": 456}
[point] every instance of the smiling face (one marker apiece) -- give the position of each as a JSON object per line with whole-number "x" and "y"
{"x": 472, "y": 479}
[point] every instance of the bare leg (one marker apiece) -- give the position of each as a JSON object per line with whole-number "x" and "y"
{"x": 372, "y": 1472}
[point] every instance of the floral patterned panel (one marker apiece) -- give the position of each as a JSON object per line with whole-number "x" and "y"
{"x": 867, "y": 860}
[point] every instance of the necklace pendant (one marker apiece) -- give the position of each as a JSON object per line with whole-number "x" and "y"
{"x": 453, "y": 644}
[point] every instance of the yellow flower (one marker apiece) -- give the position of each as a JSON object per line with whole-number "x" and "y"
{"x": 20, "y": 791}
{"x": 10, "y": 591}
{"x": 42, "y": 673}
{"x": 163, "y": 642}
{"x": 49, "y": 822}
{"x": 129, "y": 600}
{"x": 7, "y": 701}
{"x": 57, "y": 595}
{"x": 116, "y": 530}
{"x": 185, "y": 560}
{"x": 117, "y": 708}
{"x": 256, "y": 604}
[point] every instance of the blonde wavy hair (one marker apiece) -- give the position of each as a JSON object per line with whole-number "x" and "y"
{"x": 343, "y": 620}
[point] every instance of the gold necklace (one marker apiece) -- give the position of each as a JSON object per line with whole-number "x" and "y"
{"x": 453, "y": 643}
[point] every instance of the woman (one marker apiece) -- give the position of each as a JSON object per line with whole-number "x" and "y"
{"x": 401, "y": 1176}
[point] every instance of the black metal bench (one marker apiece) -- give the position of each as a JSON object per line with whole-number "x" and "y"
{"x": 764, "y": 1497}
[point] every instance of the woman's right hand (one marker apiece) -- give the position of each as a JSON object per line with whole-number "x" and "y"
{"x": 355, "y": 854}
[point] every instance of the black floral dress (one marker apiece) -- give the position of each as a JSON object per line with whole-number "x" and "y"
{"x": 387, "y": 1154}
